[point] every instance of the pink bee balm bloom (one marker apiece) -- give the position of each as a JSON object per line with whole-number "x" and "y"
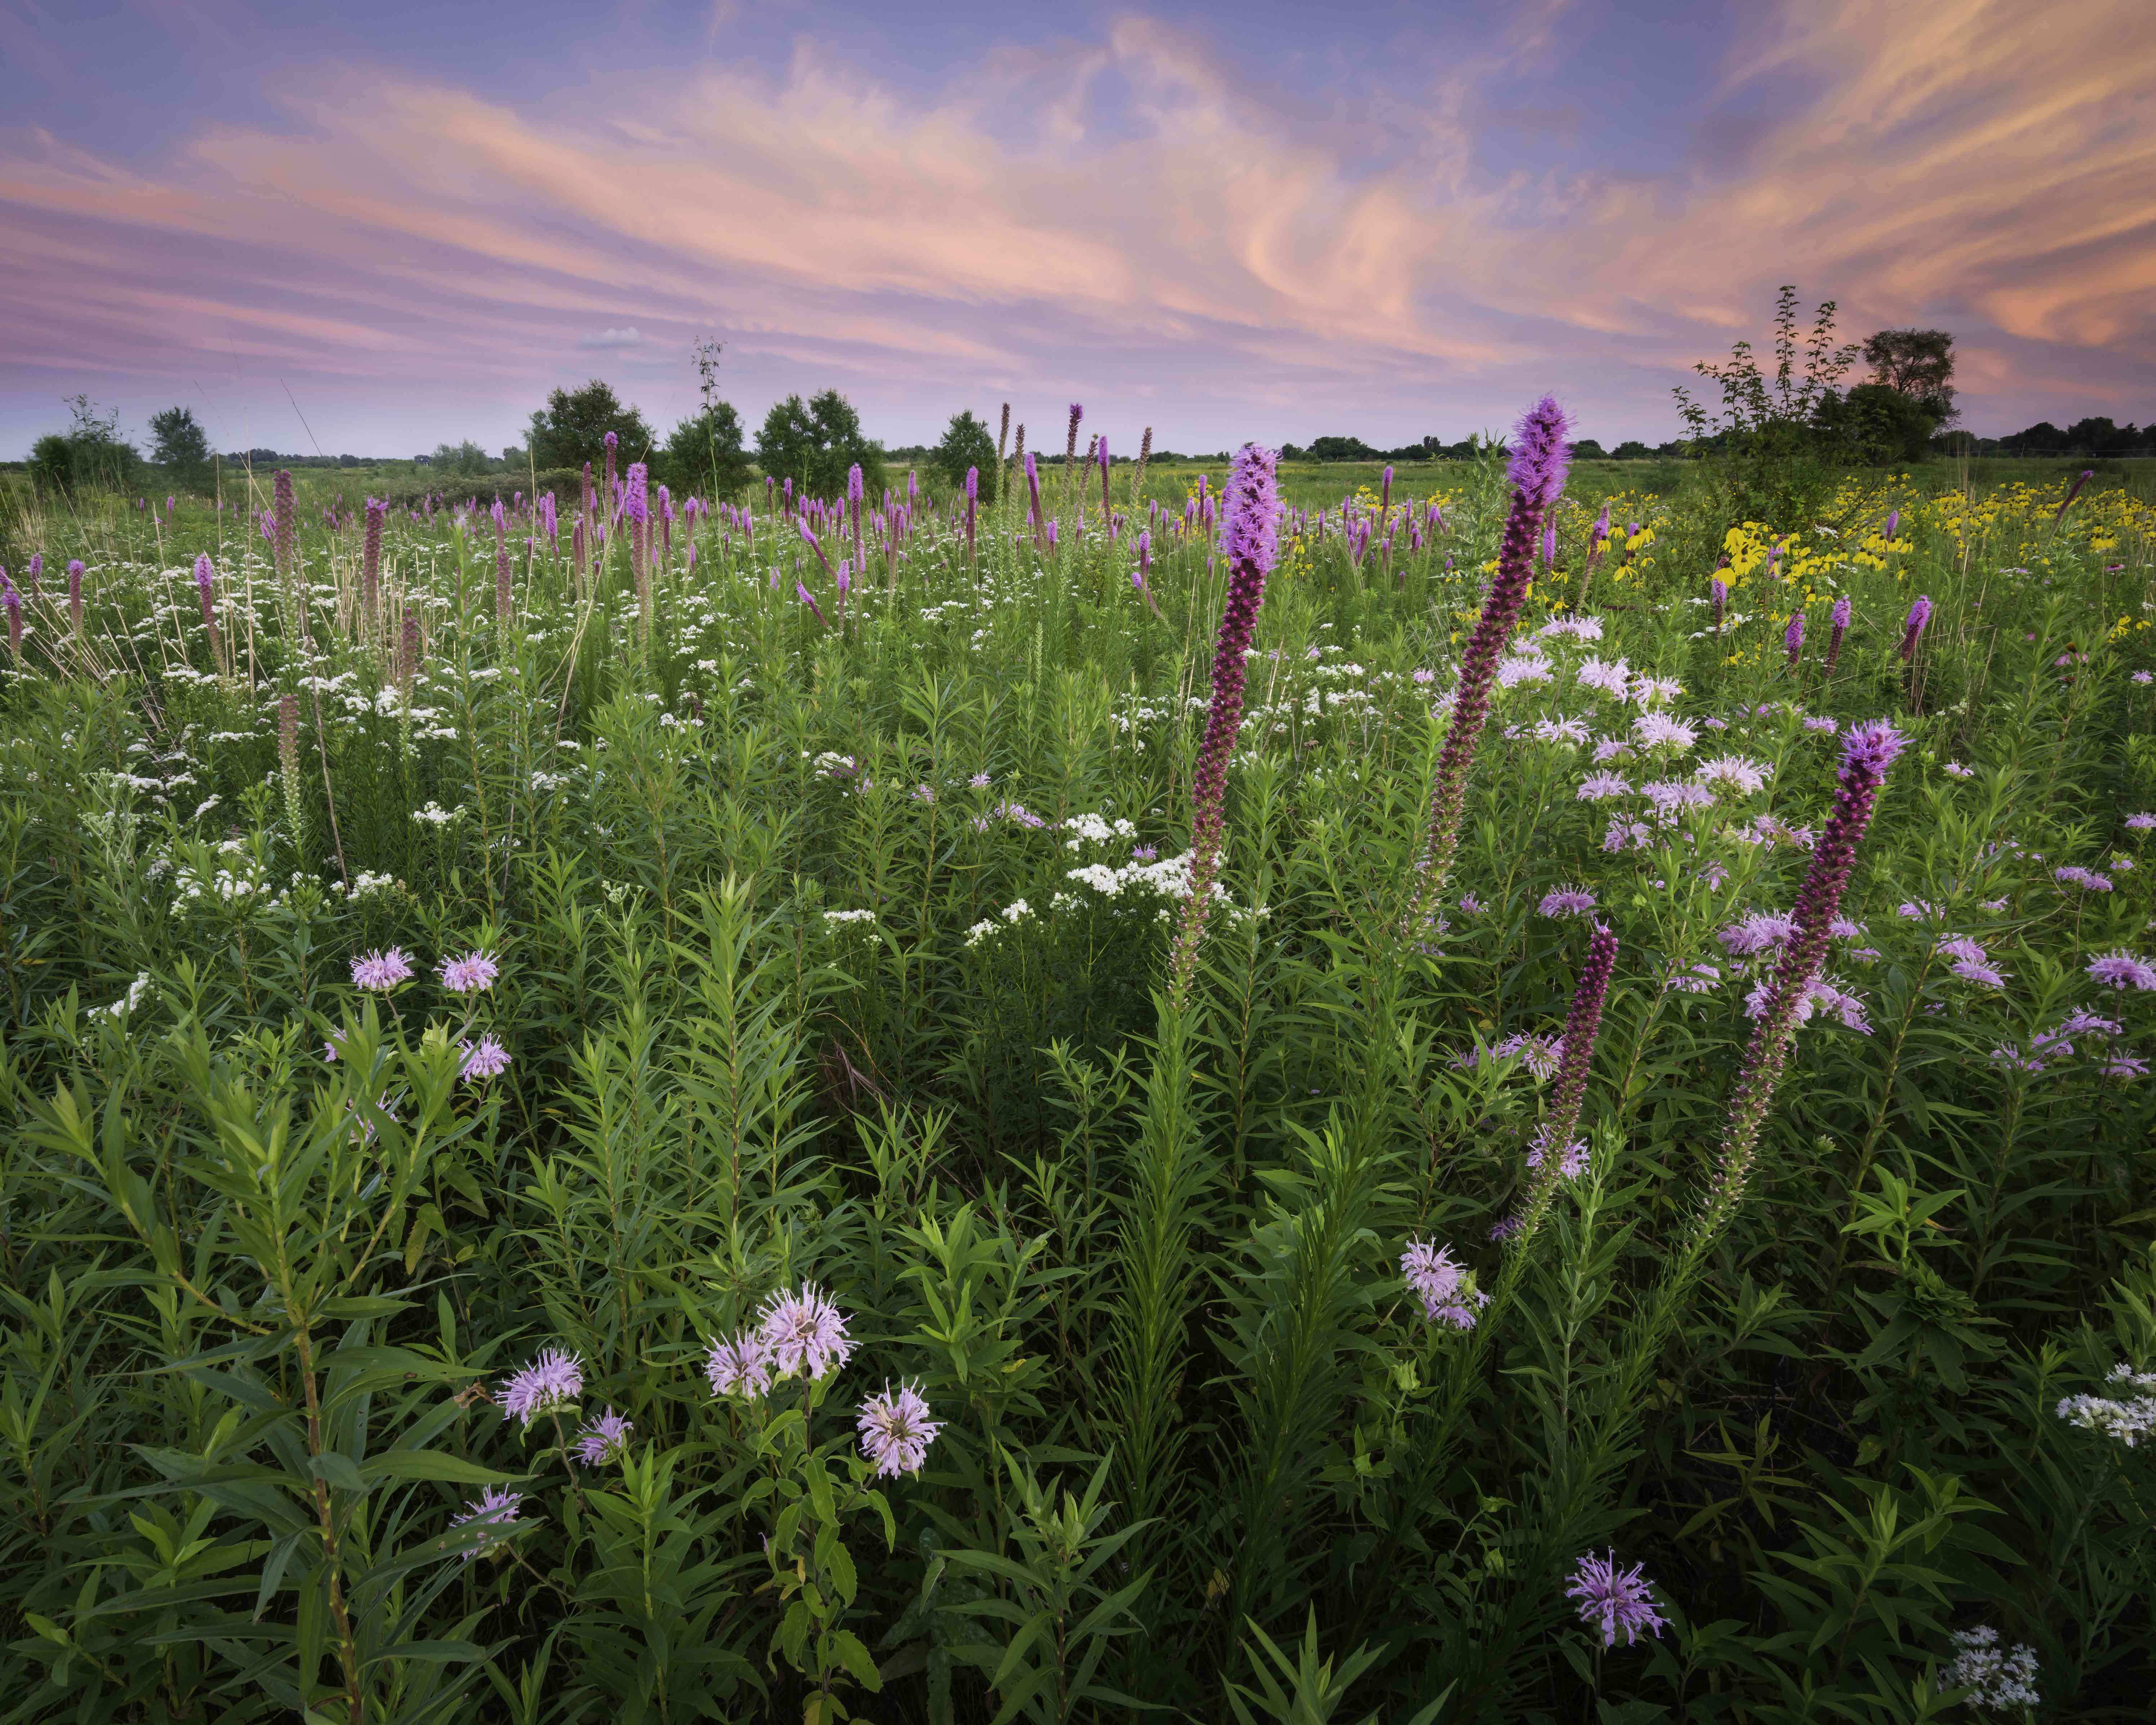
{"x": 2121, "y": 969}
{"x": 484, "y": 1059}
{"x": 805, "y": 1332}
{"x": 895, "y": 1430}
{"x": 1445, "y": 1287}
{"x": 473, "y": 973}
{"x": 603, "y": 1439}
{"x": 381, "y": 971}
{"x": 1615, "y": 1601}
{"x": 495, "y": 1507}
{"x": 550, "y": 1382}
{"x": 739, "y": 1364}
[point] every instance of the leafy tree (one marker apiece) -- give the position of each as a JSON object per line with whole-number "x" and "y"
{"x": 1587, "y": 450}
{"x": 466, "y": 457}
{"x": 571, "y": 428}
{"x": 90, "y": 456}
{"x": 1918, "y": 364}
{"x": 1340, "y": 449}
{"x": 966, "y": 444}
{"x": 1878, "y": 424}
{"x": 1631, "y": 449}
{"x": 705, "y": 453}
{"x": 814, "y": 444}
{"x": 177, "y": 441}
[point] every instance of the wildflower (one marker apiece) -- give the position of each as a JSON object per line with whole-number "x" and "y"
{"x": 1612, "y": 748}
{"x": 2121, "y": 969}
{"x": 1793, "y": 639}
{"x": 484, "y": 1059}
{"x": 1737, "y": 772}
{"x": 1566, "y": 730}
{"x": 740, "y": 1363}
{"x": 1611, "y": 679}
{"x": 1868, "y": 752}
{"x": 2123, "y": 1065}
{"x": 1571, "y": 1161}
{"x": 1954, "y": 769}
{"x": 1249, "y": 536}
{"x": 805, "y": 1332}
{"x": 1447, "y": 1292}
{"x": 1671, "y": 797}
{"x": 1651, "y": 692}
{"x": 1659, "y": 731}
{"x": 895, "y": 1429}
{"x": 1470, "y": 905}
{"x": 2087, "y": 879}
{"x": 496, "y": 1508}
{"x": 1978, "y": 971}
{"x": 1567, "y": 901}
{"x": 1717, "y": 595}
{"x": 1839, "y": 622}
{"x": 473, "y": 973}
{"x": 1757, "y": 933}
{"x": 1998, "y": 1677}
{"x": 1960, "y": 946}
{"x": 2143, "y": 676}
{"x": 2125, "y": 1411}
{"x": 1824, "y": 724}
{"x": 1540, "y": 457}
{"x": 1920, "y": 614}
{"x": 1598, "y": 787}
{"x": 549, "y": 1383}
{"x": 1615, "y": 1601}
{"x": 603, "y": 1439}
{"x": 381, "y": 971}
{"x": 1699, "y": 979}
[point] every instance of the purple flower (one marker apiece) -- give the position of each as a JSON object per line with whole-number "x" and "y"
{"x": 603, "y": 1439}
{"x": 1826, "y": 726}
{"x": 2121, "y": 969}
{"x": 739, "y": 1364}
{"x": 472, "y": 974}
{"x": 484, "y": 1059}
{"x": 1920, "y": 614}
{"x": 1538, "y": 463}
{"x": 2087, "y": 879}
{"x": 2140, "y": 823}
{"x": 1597, "y": 787}
{"x": 1571, "y": 1161}
{"x": 1717, "y": 594}
{"x": 805, "y": 1332}
{"x": 1839, "y": 622}
{"x": 1447, "y": 1292}
{"x": 381, "y": 971}
{"x": 497, "y": 1508}
{"x": 1979, "y": 972}
{"x": 1567, "y": 901}
{"x": 1793, "y": 638}
{"x": 895, "y": 1430}
{"x": 1615, "y": 1601}
{"x": 1249, "y": 531}
{"x": 1582, "y": 1025}
{"x": 550, "y": 1382}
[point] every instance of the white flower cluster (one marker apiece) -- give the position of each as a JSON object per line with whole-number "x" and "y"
{"x": 2126, "y": 1411}
{"x": 1017, "y": 910}
{"x": 128, "y": 1002}
{"x": 433, "y": 814}
{"x": 840, "y": 916}
{"x": 1092, "y": 829}
{"x": 2001, "y": 1677}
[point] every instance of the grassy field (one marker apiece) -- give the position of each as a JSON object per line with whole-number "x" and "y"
{"x": 526, "y": 1062}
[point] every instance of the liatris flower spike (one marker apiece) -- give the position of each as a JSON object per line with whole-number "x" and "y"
{"x": 1618, "y": 1602}
{"x": 1920, "y": 614}
{"x": 1249, "y": 535}
{"x": 896, "y": 1431}
{"x": 1793, "y": 639}
{"x": 1717, "y": 594}
{"x": 1839, "y": 622}
{"x": 1540, "y": 457}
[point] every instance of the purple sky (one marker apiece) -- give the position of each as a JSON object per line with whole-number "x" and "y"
{"x": 407, "y": 221}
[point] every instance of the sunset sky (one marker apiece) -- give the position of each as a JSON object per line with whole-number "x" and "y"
{"x": 407, "y": 222}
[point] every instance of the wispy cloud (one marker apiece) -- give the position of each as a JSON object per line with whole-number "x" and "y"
{"x": 1210, "y": 250}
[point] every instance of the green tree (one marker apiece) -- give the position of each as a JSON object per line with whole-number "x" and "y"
{"x": 571, "y": 428}
{"x": 705, "y": 453}
{"x": 967, "y": 442}
{"x": 1877, "y": 424}
{"x": 1918, "y": 364}
{"x": 178, "y": 441}
{"x": 90, "y": 456}
{"x": 814, "y": 444}
{"x": 466, "y": 457}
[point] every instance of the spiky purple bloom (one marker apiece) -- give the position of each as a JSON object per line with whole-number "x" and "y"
{"x": 1839, "y": 621}
{"x": 1717, "y": 594}
{"x": 495, "y": 1507}
{"x": 473, "y": 973}
{"x": 551, "y": 1383}
{"x": 75, "y": 592}
{"x": 1920, "y": 614}
{"x": 1540, "y": 457}
{"x": 284, "y": 510}
{"x": 805, "y": 1332}
{"x": 2121, "y": 969}
{"x": 1566, "y": 901}
{"x": 1448, "y": 1293}
{"x": 12, "y": 601}
{"x": 484, "y": 1059}
{"x": 1868, "y": 751}
{"x": 2087, "y": 474}
{"x": 1249, "y": 536}
{"x": 739, "y": 1365}
{"x": 1793, "y": 638}
{"x": 601, "y": 1439}
{"x": 1582, "y": 1025}
{"x": 1613, "y": 1600}
{"x": 382, "y": 972}
{"x": 35, "y": 568}
{"x": 895, "y": 1429}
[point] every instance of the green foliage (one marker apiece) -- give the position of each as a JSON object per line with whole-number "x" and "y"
{"x": 704, "y": 457}
{"x": 831, "y": 953}
{"x": 178, "y": 441}
{"x": 570, "y": 429}
{"x": 967, "y": 442}
{"x": 814, "y": 444}
{"x": 90, "y": 456}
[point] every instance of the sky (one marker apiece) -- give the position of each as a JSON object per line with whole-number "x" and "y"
{"x": 369, "y": 229}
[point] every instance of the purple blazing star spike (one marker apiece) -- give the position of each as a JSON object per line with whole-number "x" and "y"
{"x": 13, "y": 602}
{"x": 1868, "y": 751}
{"x": 1549, "y": 546}
{"x": 1718, "y": 592}
{"x": 1920, "y": 614}
{"x": 2087, "y": 474}
{"x": 205, "y": 578}
{"x": 37, "y": 567}
{"x": 1839, "y": 621}
{"x": 1538, "y": 463}
{"x": 1583, "y": 1025}
{"x": 1793, "y": 639}
{"x": 1615, "y": 1601}
{"x": 1249, "y": 538}
{"x": 895, "y": 1430}
{"x": 808, "y": 599}
{"x": 286, "y": 513}
{"x": 1893, "y": 521}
